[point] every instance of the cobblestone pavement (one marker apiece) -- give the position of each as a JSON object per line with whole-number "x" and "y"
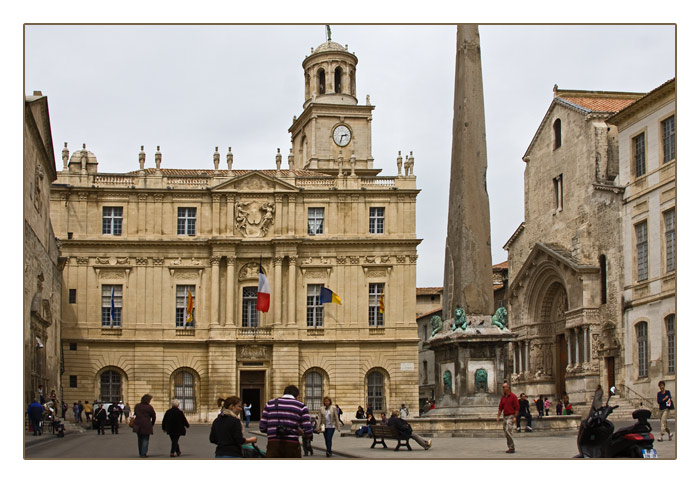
{"x": 195, "y": 445}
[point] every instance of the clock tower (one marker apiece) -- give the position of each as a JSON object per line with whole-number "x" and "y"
{"x": 333, "y": 131}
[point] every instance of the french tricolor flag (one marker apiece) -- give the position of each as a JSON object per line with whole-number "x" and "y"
{"x": 263, "y": 303}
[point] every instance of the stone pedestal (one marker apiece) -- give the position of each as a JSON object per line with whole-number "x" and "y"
{"x": 471, "y": 365}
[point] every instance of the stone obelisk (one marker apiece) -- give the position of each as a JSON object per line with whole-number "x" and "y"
{"x": 468, "y": 274}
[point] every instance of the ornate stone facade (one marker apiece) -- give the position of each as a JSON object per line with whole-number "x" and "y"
{"x": 42, "y": 262}
{"x": 172, "y": 233}
{"x": 565, "y": 260}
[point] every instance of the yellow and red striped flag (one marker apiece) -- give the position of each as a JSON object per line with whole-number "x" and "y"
{"x": 190, "y": 306}
{"x": 381, "y": 303}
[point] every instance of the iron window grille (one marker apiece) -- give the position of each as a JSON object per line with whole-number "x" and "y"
{"x": 313, "y": 384}
{"x": 110, "y": 386}
{"x": 375, "y": 391}
{"x": 184, "y": 391}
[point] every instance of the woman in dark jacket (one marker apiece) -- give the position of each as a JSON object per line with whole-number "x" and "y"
{"x": 174, "y": 423}
{"x": 227, "y": 431}
{"x": 144, "y": 419}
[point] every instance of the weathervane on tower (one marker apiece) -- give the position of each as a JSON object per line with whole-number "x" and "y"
{"x": 328, "y": 32}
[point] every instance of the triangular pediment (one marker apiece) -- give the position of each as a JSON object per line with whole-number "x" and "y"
{"x": 255, "y": 181}
{"x": 546, "y": 251}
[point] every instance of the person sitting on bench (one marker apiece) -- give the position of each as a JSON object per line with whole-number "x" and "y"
{"x": 367, "y": 429}
{"x": 405, "y": 431}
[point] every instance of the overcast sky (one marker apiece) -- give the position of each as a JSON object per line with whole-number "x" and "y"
{"x": 191, "y": 88}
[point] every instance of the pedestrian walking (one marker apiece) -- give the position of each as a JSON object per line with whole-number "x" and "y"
{"x": 174, "y": 423}
{"x": 509, "y": 406}
{"x": 283, "y": 420}
{"x": 524, "y": 412}
{"x": 114, "y": 415}
{"x": 35, "y": 412}
{"x": 77, "y": 410}
{"x": 546, "y": 406}
{"x": 539, "y": 404}
{"x": 403, "y": 412}
{"x": 144, "y": 419}
{"x": 121, "y": 410}
{"x": 405, "y": 431}
{"x": 127, "y": 411}
{"x": 226, "y": 431}
{"x": 87, "y": 409}
{"x": 663, "y": 397}
{"x": 246, "y": 413}
{"x": 328, "y": 418}
{"x": 340, "y": 415}
{"x": 100, "y": 418}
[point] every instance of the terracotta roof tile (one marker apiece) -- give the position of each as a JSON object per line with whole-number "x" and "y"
{"x": 428, "y": 290}
{"x": 501, "y": 265}
{"x": 600, "y": 104}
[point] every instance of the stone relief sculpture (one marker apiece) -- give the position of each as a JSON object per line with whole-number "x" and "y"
{"x": 481, "y": 381}
{"x": 460, "y": 319}
{"x": 436, "y": 323}
{"x": 253, "y": 218}
{"x": 447, "y": 382}
{"x": 500, "y": 318}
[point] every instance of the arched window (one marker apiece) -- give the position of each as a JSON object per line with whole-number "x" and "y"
{"x": 184, "y": 390}
{"x": 603, "y": 279}
{"x": 313, "y": 390}
{"x": 338, "y": 79}
{"x": 321, "y": 81}
{"x": 671, "y": 342}
{"x": 643, "y": 349}
{"x": 375, "y": 390}
{"x": 557, "y": 133}
{"x": 110, "y": 386}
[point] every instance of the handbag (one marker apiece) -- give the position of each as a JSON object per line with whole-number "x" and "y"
{"x": 131, "y": 421}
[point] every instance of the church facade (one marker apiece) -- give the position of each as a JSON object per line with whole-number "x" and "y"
{"x": 565, "y": 260}
{"x": 161, "y": 279}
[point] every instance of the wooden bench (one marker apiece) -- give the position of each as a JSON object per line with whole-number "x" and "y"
{"x": 381, "y": 432}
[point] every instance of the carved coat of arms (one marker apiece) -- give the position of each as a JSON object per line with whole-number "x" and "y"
{"x": 253, "y": 218}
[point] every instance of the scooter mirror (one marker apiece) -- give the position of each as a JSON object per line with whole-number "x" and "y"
{"x": 612, "y": 390}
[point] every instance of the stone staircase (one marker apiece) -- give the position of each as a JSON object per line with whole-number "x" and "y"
{"x": 624, "y": 412}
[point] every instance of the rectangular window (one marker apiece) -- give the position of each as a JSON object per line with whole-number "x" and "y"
{"x": 314, "y": 307}
{"x": 111, "y": 306}
{"x": 72, "y": 295}
{"x": 376, "y": 318}
{"x": 315, "y": 221}
{"x": 643, "y": 349}
{"x": 671, "y": 341}
{"x": 73, "y": 346}
{"x": 250, "y": 312}
{"x": 642, "y": 251}
{"x": 112, "y": 220}
{"x": 670, "y": 226}
{"x": 559, "y": 192}
{"x": 73, "y": 381}
{"x": 376, "y": 220}
{"x": 184, "y": 305}
{"x": 640, "y": 163}
{"x": 668, "y": 133}
{"x": 186, "y": 221}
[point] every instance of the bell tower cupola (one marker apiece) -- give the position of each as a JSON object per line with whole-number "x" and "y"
{"x": 333, "y": 127}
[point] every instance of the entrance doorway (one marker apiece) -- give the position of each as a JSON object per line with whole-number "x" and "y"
{"x": 561, "y": 361}
{"x": 253, "y": 392}
{"x": 610, "y": 367}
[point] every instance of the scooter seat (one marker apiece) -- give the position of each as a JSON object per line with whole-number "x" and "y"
{"x": 641, "y": 414}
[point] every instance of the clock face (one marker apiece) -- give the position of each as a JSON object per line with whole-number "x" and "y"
{"x": 341, "y": 135}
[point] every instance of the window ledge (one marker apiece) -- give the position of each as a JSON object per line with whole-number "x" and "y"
{"x": 111, "y": 331}
{"x": 315, "y": 331}
{"x": 187, "y": 331}
{"x": 376, "y": 331}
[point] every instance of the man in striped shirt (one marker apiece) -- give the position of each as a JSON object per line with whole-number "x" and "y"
{"x": 285, "y": 411}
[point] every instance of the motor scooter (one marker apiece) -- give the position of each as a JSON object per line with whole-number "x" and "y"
{"x": 597, "y": 437}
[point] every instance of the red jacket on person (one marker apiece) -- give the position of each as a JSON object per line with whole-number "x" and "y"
{"x": 509, "y": 404}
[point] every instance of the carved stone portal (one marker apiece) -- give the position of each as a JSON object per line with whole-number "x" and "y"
{"x": 253, "y": 218}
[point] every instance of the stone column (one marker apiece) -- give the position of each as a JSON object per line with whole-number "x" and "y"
{"x": 468, "y": 270}
{"x": 527, "y": 356}
{"x": 515, "y": 358}
{"x": 229, "y": 214}
{"x": 216, "y": 216}
{"x": 292, "y": 291}
{"x": 277, "y": 281}
{"x": 230, "y": 294}
{"x": 586, "y": 357}
{"x": 520, "y": 357}
{"x": 568, "y": 348}
{"x": 313, "y": 138}
{"x": 577, "y": 331}
{"x": 215, "y": 290}
{"x": 292, "y": 214}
